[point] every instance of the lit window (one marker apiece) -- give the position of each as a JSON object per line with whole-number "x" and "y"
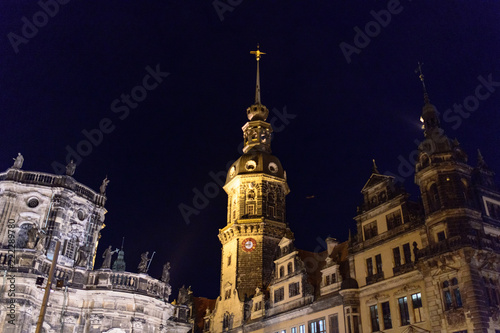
{"x": 317, "y": 326}
{"x": 302, "y": 329}
{"x": 416, "y": 300}
{"x": 403, "y": 311}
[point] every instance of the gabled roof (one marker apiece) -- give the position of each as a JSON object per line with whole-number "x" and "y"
{"x": 375, "y": 179}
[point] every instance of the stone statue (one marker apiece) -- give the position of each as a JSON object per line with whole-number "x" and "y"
{"x": 40, "y": 245}
{"x": 32, "y": 233}
{"x": 70, "y": 168}
{"x": 82, "y": 256}
{"x": 104, "y": 184}
{"x": 165, "y": 276}
{"x": 182, "y": 297}
{"x": 18, "y": 161}
{"x": 108, "y": 253}
{"x": 143, "y": 265}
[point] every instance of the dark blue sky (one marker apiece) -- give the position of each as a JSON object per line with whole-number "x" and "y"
{"x": 71, "y": 74}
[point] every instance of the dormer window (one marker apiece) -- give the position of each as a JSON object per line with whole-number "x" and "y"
{"x": 289, "y": 268}
{"x": 282, "y": 271}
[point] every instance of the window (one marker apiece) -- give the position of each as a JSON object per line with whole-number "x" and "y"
{"x": 226, "y": 321}
{"x": 334, "y": 278}
{"x": 317, "y": 326}
{"x": 434, "y": 201}
{"x": 407, "y": 253}
{"x": 352, "y": 320}
{"x": 270, "y": 211}
{"x": 397, "y": 256}
{"x": 334, "y": 324}
{"x": 441, "y": 236}
{"x": 229, "y": 260}
{"x": 302, "y": 329}
{"x": 258, "y": 306}
{"x": 289, "y": 268}
{"x": 250, "y": 209}
{"x": 451, "y": 294}
{"x": 371, "y": 230}
{"x": 374, "y": 318}
{"x": 294, "y": 289}
{"x": 386, "y": 315}
{"x": 416, "y": 300}
{"x": 282, "y": 271}
{"x": 491, "y": 291}
{"x": 293, "y": 330}
{"x": 227, "y": 294}
{"x": 251, "y": 195}
{"x": 369, "y": 266}
{"x": 327, "y": 280}
{"x": 393, "y": 220}
{"x": 403, "y": 311}
{"x": 279, "y": 295}
{"x": 378, "y": 262}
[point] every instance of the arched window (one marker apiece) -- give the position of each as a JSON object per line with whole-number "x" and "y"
{"x": 251, "y": 195}
{"x": 282, "y": 271}
{"x": 433, "y": 198}
{"x": 289, "y": 268}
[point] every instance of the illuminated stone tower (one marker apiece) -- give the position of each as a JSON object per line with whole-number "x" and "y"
{"x": 256, "y": 187}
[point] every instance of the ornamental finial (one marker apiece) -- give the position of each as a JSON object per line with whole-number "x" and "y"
{"x": 257, "y": 53}
{"x": 257, "y": 85}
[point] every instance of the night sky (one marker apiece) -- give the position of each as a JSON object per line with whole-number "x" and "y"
{"x": 340, "y": 85}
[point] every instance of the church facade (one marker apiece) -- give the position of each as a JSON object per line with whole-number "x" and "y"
{"x": 428, "y": 266}
{"x": 41, "y": 212}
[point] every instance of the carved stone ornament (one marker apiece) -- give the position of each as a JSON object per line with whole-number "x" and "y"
{"x": 455, "y": 317}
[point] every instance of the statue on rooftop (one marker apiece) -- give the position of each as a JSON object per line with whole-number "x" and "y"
{"x": 82, "y": 256}
{"x": 108, "y": 253}
{"x": 104, "y": 184}
{"x": 18, "y": 161}
{"x": 165, "y": 276}
{"x": 70, "y": 168}
{"x": 143, "y": 265}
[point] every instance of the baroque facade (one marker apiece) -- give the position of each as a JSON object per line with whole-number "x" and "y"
{"x": 427, "y": 266}
{"x": 39, "y": 210}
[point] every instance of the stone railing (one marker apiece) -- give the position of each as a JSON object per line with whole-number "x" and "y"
{"x": 30, "y": 262}
{"x": 484, "y": 242}
{"x": 40, "y": 178}
{"x": 374, "y": 278}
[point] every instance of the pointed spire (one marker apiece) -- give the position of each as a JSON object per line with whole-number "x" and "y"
{"x": 257, "y": 53}
{"x": 422, "y": 79}
{"x": 374, "y": 168}
{"x": 480, "y": 160}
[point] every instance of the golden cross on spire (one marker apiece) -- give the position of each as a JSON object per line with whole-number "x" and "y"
{"x": 257, "y": 53}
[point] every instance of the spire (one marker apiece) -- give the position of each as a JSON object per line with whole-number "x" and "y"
{"x": 257, "y": 111}
{"x": 375, "y": 169}
{"x": 422, "y": 79}
{"x": 480, "y": 160}
{"x": 257, "y": 53}
{"x": 429, "y": 112}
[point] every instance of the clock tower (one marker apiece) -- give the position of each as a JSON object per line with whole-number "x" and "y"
{"x": 256, "y": 221}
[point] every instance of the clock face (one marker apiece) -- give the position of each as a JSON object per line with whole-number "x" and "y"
{"x": 248, "y": 244}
